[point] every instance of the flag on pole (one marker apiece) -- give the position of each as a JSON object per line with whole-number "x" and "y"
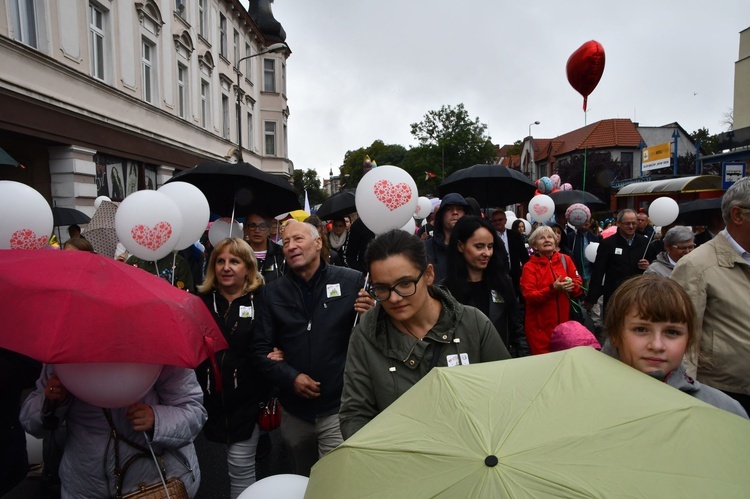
{"x": 307, "y": 203}
{"x": 428, "y": 176}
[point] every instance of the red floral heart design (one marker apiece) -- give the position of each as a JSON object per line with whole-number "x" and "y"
{"x": 540, "y": 209}
{"x": 27, "y": 239}
{"x": 152, "y": 239}
{"x": 393, "y": 196}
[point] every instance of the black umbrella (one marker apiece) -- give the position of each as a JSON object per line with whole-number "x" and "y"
{"x": 68, "y": 216}
{"x": 240, "y": 188}
{"x": 490, "y": 185}
{"x": 339, "y": 205}
{"x": 563, "y": 199}
{"x": 697, "y": 212}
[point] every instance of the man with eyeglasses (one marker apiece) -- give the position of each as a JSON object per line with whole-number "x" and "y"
{"x": 308, "y": 314}
{"x": 716, "y": 276}
{"x": 678, "y": 242}
{"x": 269, "y": 254}
{"x": 619, "y": 256}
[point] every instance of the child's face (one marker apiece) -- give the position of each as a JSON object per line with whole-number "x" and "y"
{"x": 652, "y": 346}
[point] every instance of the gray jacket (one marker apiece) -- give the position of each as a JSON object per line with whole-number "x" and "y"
{"x": 661, "y": 266}
{"x": 680, "y": 380}
{"x": 176, "y": 399}
{"x": 383, "y": 363}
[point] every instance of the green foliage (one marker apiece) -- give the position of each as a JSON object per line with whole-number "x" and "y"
{"x": 516, "y": 149}
{"x": 308, "y": 180}
{"x": 383, "y": 154}
{"x": 709, "y": 143}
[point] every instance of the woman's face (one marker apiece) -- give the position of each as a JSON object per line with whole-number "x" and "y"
{"x": 231, "y": 271}
{"x": 397, "y": 270}
{"x": 652, "y": 346}
{"x": 558, "y": 233}
{"x": 521, "y": 228}
{"x": 478, "y": 249}
{"x": 545, "y": 244}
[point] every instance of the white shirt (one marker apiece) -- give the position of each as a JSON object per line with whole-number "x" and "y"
{"x": 504, "y": 238}
{"x": 739, "y": 249}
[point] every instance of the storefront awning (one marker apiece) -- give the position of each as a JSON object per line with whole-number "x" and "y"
{"x": 678, "y": 184}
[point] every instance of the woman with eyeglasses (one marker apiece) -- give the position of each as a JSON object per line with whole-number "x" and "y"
{"x": 414, "y": 327}
{"x": 678, "y": 242}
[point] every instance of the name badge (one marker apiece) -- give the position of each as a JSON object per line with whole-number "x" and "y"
{"x": 618, "y": 251}
{"x": 495, "y": 297}
{"x": 453, "y": 360}
{"x": 333, "y": 290}
{"x": 246, "y": 312}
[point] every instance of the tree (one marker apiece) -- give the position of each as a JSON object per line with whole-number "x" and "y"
{"x": 709, "y": 143}
{"x": 383, "y": 154}
{"x": 516, "y": 149}
{"x": 450, "y": 139}
{"x": 308, "y": 180}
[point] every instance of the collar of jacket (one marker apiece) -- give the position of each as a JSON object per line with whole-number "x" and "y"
{"x": 726, "y": 255}
{"x": 296, "y": 279}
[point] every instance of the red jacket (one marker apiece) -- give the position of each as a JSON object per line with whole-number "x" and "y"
{"x": 545, "y": 307}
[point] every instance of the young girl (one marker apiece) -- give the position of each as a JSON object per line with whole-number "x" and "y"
{"x": 651, "y": 324}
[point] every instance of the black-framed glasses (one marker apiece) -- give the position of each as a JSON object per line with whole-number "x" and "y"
{"x": 403, "y": 288}
{"x": 260, "y": 226}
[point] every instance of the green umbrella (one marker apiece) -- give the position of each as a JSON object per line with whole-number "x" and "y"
{"x": 569, "y": 424}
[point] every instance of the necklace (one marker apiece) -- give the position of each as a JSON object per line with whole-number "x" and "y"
{"x": 409, "y": 331}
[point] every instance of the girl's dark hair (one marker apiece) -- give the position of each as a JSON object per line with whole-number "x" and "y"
{"x": 457, "y": 281}
{"x": 516, "y": 223}
{"x": 397, "y": 242}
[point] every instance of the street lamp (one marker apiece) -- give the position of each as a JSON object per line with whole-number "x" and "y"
{"x": 272, "y": 49}
{"x": 532, "y": 124}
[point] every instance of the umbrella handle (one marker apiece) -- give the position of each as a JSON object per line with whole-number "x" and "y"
{"x": 356, "y": 317}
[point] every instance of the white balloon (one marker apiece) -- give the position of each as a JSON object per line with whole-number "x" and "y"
{"x": 99, "y": 200}
{"x": 193, "y": 206}
{"x": 221, "y": 229}
{"x": 510, "y": 215}
{"x": 424, "y": 207}
{"x": 108, "y": 384}
{"x": 148, "y": 224}
{"x": 26, "y": 220}
{"x": 542, "y": 208}
{"x": 386, "y": 198}
{"x": 663, "y": 211}
{"x": 590, "y": 252}
{"x": 283, "y": 486}
{"x": 526, "y": 226}
{"x": 410, "y": 227}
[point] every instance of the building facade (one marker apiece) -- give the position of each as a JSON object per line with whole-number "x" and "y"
{"x": 105, "y": 97}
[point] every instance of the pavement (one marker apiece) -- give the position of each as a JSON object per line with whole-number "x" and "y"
{"x": 212, "y": 459}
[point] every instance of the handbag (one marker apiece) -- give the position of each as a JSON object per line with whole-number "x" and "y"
{"x": 269, "y": 417}
{"x": 175, "y": 488}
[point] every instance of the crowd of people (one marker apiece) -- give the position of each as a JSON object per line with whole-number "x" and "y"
{"x": 338, "y": 323}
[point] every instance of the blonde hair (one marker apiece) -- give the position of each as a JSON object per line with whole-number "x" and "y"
{"x": 542, "y": 229}
{"x": 239, "y": 248}
{"x": 654, "y": 298}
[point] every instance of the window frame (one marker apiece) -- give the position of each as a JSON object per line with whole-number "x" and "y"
{"x": 148, "y": 71}
{"x": 269, "y": 72}
{"x": 98, "y": 33}
{"x": 269, "y": 134}
{"x": 25, "y": 28}
{"x": 183, "y": 86}
{"x": 225, "y": 119}
{"x": 205, "y": 104}
{"x": 223, "y": 35}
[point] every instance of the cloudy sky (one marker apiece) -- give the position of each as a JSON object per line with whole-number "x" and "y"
{"x": 361, "y": 71}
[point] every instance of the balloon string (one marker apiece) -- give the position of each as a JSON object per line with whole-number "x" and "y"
{"x": 356, "y": 318}
{"x": 174, "y": 264}
{"x": 585, "y": 149}
{"x": 161, "y": 476}
{"x": 157, "y": 268}
{"x": 647, "y": 245}
{"x": 231, "y": 223}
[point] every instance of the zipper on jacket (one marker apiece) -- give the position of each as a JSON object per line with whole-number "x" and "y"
{"x": 234, "y": 375}
{"x": 208, "y": 380}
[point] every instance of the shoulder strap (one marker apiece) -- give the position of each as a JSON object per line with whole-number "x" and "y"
{"x": 564, "y": 262}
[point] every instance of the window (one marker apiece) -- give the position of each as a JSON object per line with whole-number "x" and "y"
{"x": 179, "y": 8}
{"x": 250, "y": 141}
{"x": 283, "y": 78}
{"x": 96, "y": 28}
{"x": 24, "y": 21}
{"x": 626, "y": 159}
{"x": 248, "y": 53}
{"x": 236, "y": 48}
{"x": 269, "y": 75}
{"x": 225, "y": 116}
{"x": 223, "y": 35}
{"x": 182, "y": 91}
{"x": 202, "y": 18}
{"x": 149, "y": 76}
{"x": 205, "y": 103}
{"x": 286, "y": 143}
{"x": 270, "y": 127}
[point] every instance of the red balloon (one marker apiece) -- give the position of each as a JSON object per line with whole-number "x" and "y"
{"x": 585, "y": 67}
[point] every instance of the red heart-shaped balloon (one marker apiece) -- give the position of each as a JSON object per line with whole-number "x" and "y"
{"x": 585, "y": 68}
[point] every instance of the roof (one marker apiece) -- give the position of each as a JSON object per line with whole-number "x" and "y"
{"x": 604, "y": 134}
{"x": 677, "y": 184}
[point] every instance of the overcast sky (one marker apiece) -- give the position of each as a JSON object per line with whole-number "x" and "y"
{"x": 361, "y": 71}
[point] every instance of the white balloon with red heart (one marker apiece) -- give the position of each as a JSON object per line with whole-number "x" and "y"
{"x": 108, "y": 384}
{"x": 26, "y": 220}
{"x": 386, "y": 198}
{"x": 424, "y": 208}
{"x": 148, "y": 224}
{"x": 194, "y": 208}
{"x": 222, "y": 229}
{"x": 542, "y": 208}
